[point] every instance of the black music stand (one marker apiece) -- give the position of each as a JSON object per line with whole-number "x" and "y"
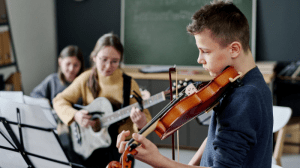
{"x": 28, "y": 139}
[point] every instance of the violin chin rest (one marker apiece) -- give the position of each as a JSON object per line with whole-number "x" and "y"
{"x": 237, "y": 77}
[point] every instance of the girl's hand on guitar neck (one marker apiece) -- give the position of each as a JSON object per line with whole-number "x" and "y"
{"x": 83, "y": 119}
{"x": 138, "y": 117}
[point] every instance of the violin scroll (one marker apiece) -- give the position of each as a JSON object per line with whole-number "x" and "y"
{"x": 114, "y": 164}
{"x": 126, "y": 158}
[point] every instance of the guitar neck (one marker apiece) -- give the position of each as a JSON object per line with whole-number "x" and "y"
{"x": 125, "y": 112}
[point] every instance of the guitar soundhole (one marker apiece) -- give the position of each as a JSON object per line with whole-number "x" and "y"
{"x": 97, "y": 126}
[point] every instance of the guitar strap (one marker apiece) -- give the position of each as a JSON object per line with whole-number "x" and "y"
{"x": 126, "y": 90}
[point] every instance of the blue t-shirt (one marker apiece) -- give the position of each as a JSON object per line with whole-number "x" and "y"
{"x": 241, "y": 129}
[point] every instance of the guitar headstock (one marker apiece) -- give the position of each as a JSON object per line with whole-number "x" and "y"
{"x": 181, "y": 85}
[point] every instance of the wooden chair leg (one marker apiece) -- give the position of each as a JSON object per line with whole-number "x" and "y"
{"x": 279, "y": 145}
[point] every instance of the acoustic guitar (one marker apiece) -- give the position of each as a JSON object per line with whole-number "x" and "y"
{"x": 86, "y": 140}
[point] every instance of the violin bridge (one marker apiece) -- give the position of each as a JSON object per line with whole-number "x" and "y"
{"x": 190, "y": 89}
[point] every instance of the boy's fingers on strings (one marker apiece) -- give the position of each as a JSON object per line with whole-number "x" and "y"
{"x": 142, "y": 140}
{"x": 121, "y": 137}
{"x": 122, "y": 146}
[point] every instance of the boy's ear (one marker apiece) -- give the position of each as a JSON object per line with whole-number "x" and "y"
{"x": 235, "y": 49}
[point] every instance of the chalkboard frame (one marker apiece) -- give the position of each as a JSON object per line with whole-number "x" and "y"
{"x": 252, "y": 38}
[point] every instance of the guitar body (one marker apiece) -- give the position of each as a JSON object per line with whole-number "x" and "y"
{"x": 85, "y": 140}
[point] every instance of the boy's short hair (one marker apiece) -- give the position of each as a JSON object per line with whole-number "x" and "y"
{"x": 225, "y": 21}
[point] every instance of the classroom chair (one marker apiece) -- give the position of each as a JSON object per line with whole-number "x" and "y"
{"x": 281, "y": 117}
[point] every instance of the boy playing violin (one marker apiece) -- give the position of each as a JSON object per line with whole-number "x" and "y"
{"x": 240, "y": 133}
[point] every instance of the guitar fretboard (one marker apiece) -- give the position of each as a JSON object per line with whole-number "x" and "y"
{"x": 125, "y": 112}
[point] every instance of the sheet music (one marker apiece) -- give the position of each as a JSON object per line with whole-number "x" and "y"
{"x": 34, "y": 114}
{"x": 43, "y": 102}
{"x": 3, "y": 141}
{"x": 16, "y": 96}
{"x": 46, "y": 107}
{"x": 36, "y": 141}
{"x": 11, "y": 159}
{"x": 41, "y": 163}
{"x": 41, "y": 143}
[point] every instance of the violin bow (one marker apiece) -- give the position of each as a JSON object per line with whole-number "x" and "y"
{"x": 172, "y": 69}
{"x": 178, "y": 129}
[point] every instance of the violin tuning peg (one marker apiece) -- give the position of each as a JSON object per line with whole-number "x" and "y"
{"x": 129, "y": 157}
{"x": 174, "y": 96}
{"x": 174, "y": 83}
{"x": 186, "y": 79}
{"x": 179, "y": 86}
{"x": 180, "y": 81}
{"x": 173, "y": 88}
{"x": 185, "y": 84}
{"x": 132, "y": 146}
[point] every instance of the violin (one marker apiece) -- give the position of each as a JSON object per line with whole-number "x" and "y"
{"x": 181, "y": 110}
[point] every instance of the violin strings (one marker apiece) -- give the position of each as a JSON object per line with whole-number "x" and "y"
{"x": 159, "y": 115}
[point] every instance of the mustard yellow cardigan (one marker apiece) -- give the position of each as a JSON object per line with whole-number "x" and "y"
{"x": 111, "y": 88}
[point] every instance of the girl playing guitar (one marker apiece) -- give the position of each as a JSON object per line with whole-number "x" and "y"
{"x": 105, "y": 79}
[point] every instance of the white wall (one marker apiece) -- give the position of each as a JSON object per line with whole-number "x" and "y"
{"x": 34, "y": 35}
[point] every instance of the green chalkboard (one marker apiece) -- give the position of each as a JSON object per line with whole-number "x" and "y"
{"x": 154, "y": 31}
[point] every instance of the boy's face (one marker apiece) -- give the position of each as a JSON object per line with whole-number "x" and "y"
{"x": 212, "y": 56}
